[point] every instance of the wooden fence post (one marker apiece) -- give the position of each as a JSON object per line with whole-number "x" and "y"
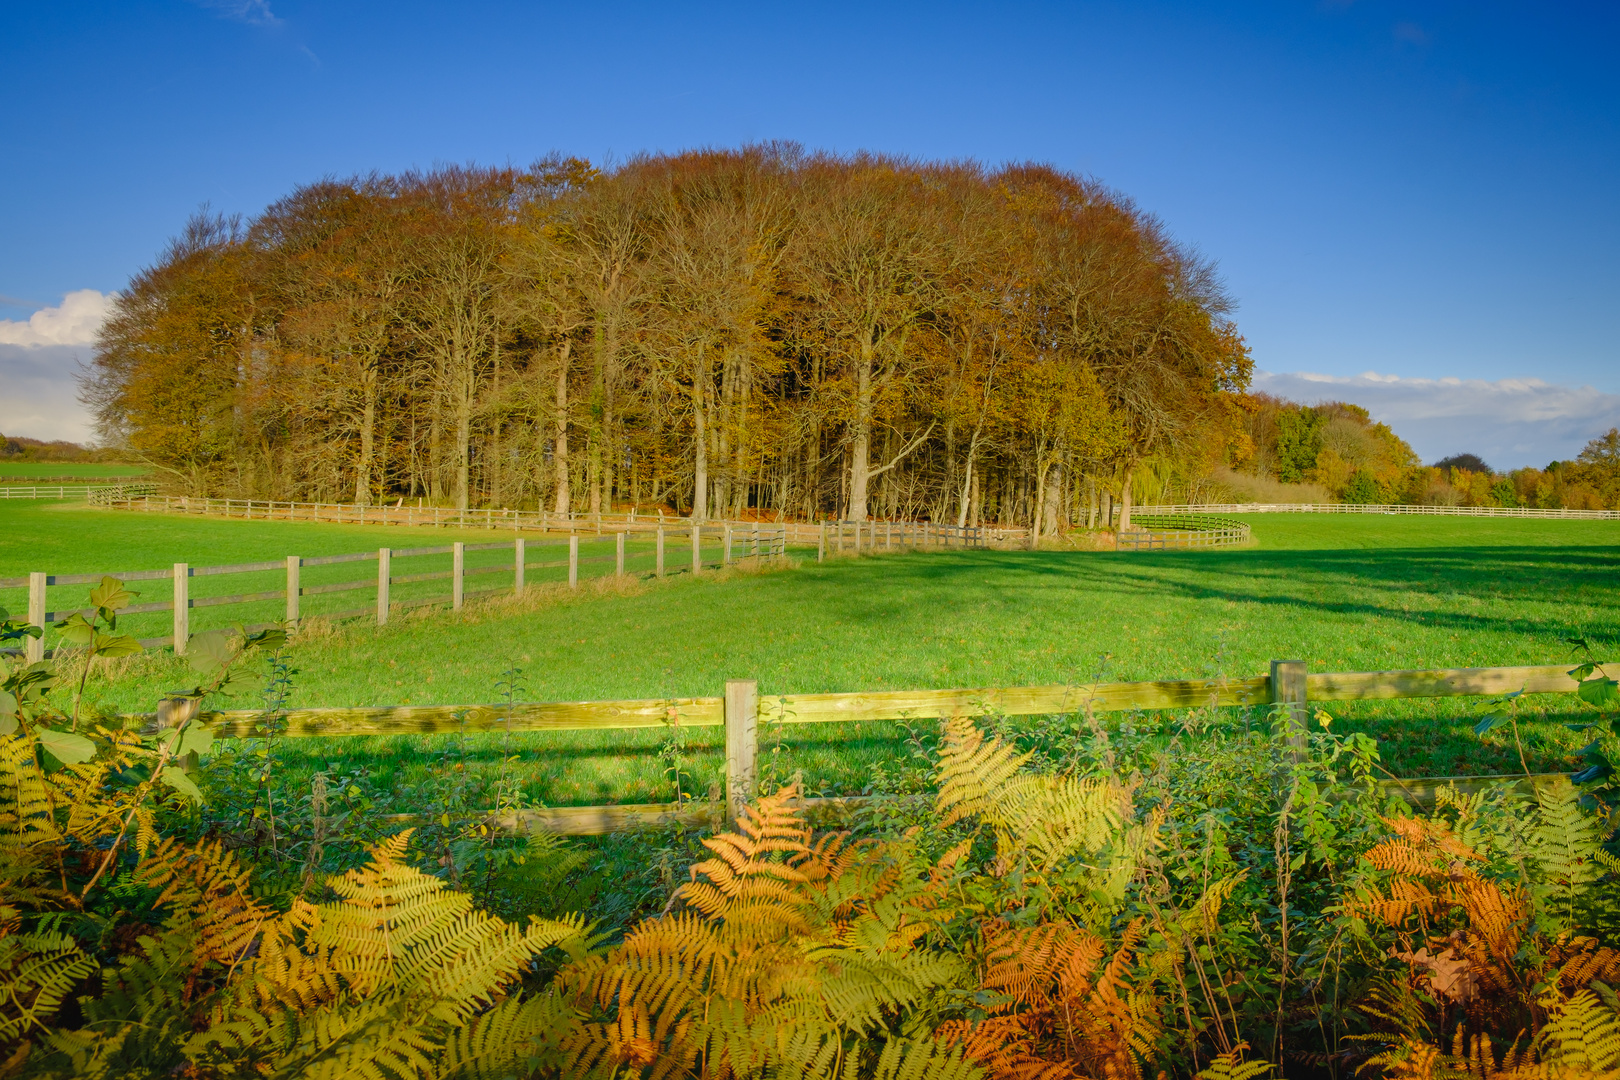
{"x": 573, "y": 560}
{"x": 293, "y": 588}
{"x": 385, "y": 567}
{"x": 725, "y": 554}
{"x": 821, "y": 543}
{"x": 742, "y": 743}
{"x": 618, "y": 553}
{"x": 458, "y": 575}
{"x": 697, "y": 548}
{"x": 519, "y": 559}
{"x": 182, "y": 607}
{"x": 660, "y": 568}
{"x": 1288, "y": 688}
{"x": 34, "y": 648}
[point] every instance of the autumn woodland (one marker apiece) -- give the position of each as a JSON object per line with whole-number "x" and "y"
{"x": 759, "y": 331}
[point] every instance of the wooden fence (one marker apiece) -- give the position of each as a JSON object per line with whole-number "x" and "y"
{"x": 836, "y": 536}
{"x": 1375, "y": 508}
{"x": 88, "y": 490}
{"x": 742, "y": 711}
{"x": 1150, "y": 533}
{"x": 728, "y": 542}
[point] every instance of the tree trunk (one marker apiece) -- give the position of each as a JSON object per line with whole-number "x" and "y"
{"x": 1053, "y": 502}
{"x": 1125, "y": 498}
{"x": 368, "y": 434}
{"x": 700, "y": 455}
{"x": 559, "y": 452}
{"x": 861, "y": 447}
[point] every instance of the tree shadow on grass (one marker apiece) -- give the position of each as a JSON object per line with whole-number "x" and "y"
{"x": 1308, "y": 580}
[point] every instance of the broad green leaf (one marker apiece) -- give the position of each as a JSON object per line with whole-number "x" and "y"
{"x": 66, "y": 747}
{"x": 208, "y": 652}
{"x": 117, "y": 645}
{"x": 196, "y": 739}
{"x": 8, "y": 723}
{"x": 110, "y": 594}
{"x": 1604, "y": 693}
{"x": 8, "y": 703}
{"x": 176, "y": 778}
{"x": 237, "y": 682}
{"x": 1582, "y": 671}
{"x": 269, "y": 640}
{"x": 1594, "y": 772}
{"x": 1488, "y": 722}
{"x": 76, "y": 629}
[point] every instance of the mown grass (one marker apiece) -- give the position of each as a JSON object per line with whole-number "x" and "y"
{"x": 68, "y": 468}
{"x": 1342, "y": 593}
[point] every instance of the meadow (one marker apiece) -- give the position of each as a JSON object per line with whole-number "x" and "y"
{"x": 1342, "y": 593}
{"x": 68, "y": 468}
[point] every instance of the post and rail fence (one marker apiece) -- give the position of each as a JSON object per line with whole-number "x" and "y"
{"x": 743, "y": 711}
{"x": 1374, "y": 508}
{"x": 713, "y": 547}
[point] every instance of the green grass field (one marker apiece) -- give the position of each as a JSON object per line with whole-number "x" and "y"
{"x": 1343, "y": 593}
{"x": 69, "y": 468}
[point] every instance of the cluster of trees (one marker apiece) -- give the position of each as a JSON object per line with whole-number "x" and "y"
{"x": 22, "y": 448}
{"x": 1336, "y": 450}
{"x": 760, "y": 330}
{"x": 1590, "y": 482}
{"x": 1335, "y": 445}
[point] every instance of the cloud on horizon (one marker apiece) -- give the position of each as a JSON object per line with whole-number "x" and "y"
{"x": 1509, "y": 422}
{"x": 39, "y": 392}
{"x": 72, "y": 322}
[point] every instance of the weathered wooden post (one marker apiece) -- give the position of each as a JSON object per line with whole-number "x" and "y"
{"x": 182, "y": 607}
{"x": 385, "y": 566}
{"x": 573, "y": 560}
{"x": 821, "y": 543}
{"x": 725, "y": 557}
{"x": 660, "y": 570}
{"x": 1288, "y": 688}
{"x": 34, "y": 647}
{"x": 294, "y": 589}
{"x": 697, "y": 548}
{"x": 618, "y": 553}
{"x": 519, "y": 565}
{"x": 458, "y": 575}
{"x": 742, "y": 743}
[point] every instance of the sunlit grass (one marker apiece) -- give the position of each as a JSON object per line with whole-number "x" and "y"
{"x": 1341, "y": 593}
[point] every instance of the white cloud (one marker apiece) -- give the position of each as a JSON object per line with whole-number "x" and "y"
{"x": 252, "y": 12}
{"x": 39, "y": 392}
{"x": 1508, "y": 422}
{"x": 72, "y": 322}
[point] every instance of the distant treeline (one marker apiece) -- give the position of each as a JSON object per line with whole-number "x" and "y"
{"x": 761, "y": 329}
{"x": 21, "y": 448}
{"x": 1335, "y": 451}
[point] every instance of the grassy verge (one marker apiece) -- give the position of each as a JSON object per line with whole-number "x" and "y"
{"x": 69, "y": 468}
{"x": 1342, "y": 593}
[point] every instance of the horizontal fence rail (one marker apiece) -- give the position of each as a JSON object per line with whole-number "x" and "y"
{"x": 86, "y": 489}
{"x": 742, "y": 711}
{"x": 1374, "y": 508}
{"x": 1159, "y": 533}
{"x": 838, "y": 536}
{"x": 703, "y": 547}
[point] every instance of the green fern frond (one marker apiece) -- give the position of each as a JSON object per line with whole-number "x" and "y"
{"x": 1231, "y": 1066}
{"x": 973, "y": 774}
{"x": 1581, "y": 1033}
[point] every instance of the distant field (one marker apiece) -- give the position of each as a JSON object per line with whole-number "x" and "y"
{"x": 1343, "y": 593}
{"x": 64, "y": 468}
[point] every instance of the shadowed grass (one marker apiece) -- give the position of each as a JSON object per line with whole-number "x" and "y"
{"x": 1351, "y": 593}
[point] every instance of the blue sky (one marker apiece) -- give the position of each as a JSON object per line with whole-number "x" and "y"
{"x": 1423, "y": 191}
